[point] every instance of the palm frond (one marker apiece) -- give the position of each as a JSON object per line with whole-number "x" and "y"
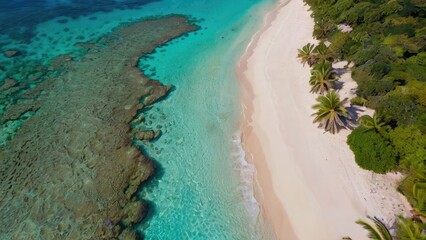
{"x": 371, "y": 123}
{"x": 306, "y": 54}
{"x": 410, "y": 230}
{"x": 384, "y": 232}
{"x": 372, "y": 232}
{"x": 330, "y": 112}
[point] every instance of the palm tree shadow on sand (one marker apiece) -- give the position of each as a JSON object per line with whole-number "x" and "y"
{"x": 354, "y": 113}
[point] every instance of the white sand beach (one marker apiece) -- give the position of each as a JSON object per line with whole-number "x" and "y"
{"x": 309, "y": 185}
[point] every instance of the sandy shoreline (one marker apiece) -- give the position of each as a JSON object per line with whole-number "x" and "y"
{"x": 309, "y": 185}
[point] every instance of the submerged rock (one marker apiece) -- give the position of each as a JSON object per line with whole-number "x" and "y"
{"x": 127, "y": 235}
{"x": 156, "y": 92}
{"x": 135, "y": 211}
{"x": 147, "y": 135}
{"x": 8, "y": 83}
{"x": 12, "y": 53}
{"x": 18, "y": 110}
{"x": 138, "y": 119}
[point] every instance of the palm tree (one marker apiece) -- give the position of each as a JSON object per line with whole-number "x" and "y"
{"x": 306, "y": 54}
{"x": 322, "y": 77}
{"x": 415, "y": 188}
{"x": 322, "y": 53}
{"x": 322, "y": 28}
{"x": 410, "y": 230}
{"x": 330, "y": 112}
{"x": 379, "y": 232}
{"x": 371, "y": 123}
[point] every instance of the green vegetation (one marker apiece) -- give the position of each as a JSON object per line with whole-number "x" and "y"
{"x": 371, "y": 123}
{"x": 322, "y": 53}
{"x": 322, "y": 77}
{"x": 386, "y": 42}
{"x": 330, "y": 112}
{"x": 306, "y": 54}
{"x": 373, "y": 151}
{"x": 312, "y": 54}
{"x": 410, "y": 230}
{"x": 414, "y": 188}
{"x": 377, "y": 232}
{"x": 358, "y": 101}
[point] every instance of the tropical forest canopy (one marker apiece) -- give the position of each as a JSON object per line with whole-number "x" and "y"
{"x": 386, "y": 41}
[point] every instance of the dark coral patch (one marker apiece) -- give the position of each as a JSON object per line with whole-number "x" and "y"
{"x": 71, "y": 170}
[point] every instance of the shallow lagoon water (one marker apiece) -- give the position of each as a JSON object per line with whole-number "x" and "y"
{"x": 203, "y": 173}
{"x": 202, "y": 189}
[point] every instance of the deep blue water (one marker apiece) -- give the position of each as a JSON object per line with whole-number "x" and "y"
{"x": 19, "y": 18}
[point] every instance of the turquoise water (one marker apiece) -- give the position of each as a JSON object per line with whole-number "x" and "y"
{"x": 202, "y": 189}
{"x": 199, "y": 193}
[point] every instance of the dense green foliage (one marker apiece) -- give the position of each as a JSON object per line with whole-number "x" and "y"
{"x": 371, "y": 123}
{"x": 372, "y": 151}
{"x": 410, "y": 230}
{"x": 410, "y": 144}
{"x": 386, "y": 40}
{"x": 358, "y": 101}
{"x": 387, "y": 44}
{"x": 414, "y": 188}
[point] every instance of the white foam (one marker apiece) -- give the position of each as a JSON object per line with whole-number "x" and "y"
{"x": 247, "y": 173}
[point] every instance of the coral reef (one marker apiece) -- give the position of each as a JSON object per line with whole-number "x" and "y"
{"x": 71, "y": 172}
{"x": 147, "y": 135}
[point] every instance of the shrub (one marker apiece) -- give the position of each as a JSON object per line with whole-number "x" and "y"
{"x": 360, "y": 101}
{"x": 402, "y": 29}
{"x": 372, "y": 151}
{"x": 374, "y": 87}
{"x": 364, "y": 55}
{"x": 409, "y": 143}
{"x": 417, "y": 71}
{"x": 339, "y": 44}
{"x": 417, "y": 89}
{"x": 400, "y": 108}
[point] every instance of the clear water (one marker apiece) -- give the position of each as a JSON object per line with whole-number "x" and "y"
{"x": 202, "y": 189}
{"x": 199, "y": 193}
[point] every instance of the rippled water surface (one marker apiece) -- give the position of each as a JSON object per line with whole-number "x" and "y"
{"x": 202, "y": 188}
